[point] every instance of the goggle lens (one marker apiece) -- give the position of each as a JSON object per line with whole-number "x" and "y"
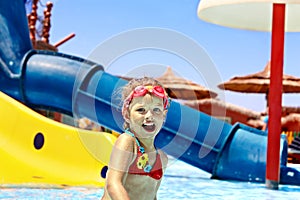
{"x": 143, "y": 90}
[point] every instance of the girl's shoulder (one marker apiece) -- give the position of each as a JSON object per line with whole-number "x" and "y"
{"x": 162, "y": 153}
{"x": 163, "y": 157}
{"x": 125, "y": 142}
{"x": 125, "y": 136}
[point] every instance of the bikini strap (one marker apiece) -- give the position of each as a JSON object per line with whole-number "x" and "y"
{"x": 142, "y": 150}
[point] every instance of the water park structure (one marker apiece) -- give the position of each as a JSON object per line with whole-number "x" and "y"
{"x": 39, "y": 152}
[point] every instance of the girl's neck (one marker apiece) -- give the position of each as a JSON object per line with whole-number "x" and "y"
{"x": 146, "y": 143}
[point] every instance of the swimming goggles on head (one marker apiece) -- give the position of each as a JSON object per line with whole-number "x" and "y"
{"x": 142, "y": 90}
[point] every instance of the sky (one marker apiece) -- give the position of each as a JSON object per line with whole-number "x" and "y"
{"x": 139, "y": 37}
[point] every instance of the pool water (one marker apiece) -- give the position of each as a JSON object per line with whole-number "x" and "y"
{"x": 181, "y": 181}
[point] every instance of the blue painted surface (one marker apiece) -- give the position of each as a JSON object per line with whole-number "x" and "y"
{"x": 79, "y": 87}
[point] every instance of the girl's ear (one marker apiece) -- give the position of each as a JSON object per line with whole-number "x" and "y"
{"x": 165, "y": 113}
{"x": 125, "y": 114}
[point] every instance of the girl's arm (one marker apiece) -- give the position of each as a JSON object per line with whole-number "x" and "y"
{"x": 114, "y": 186}
{"x": 120, "y": 159}
{"x": 164, "y": 160}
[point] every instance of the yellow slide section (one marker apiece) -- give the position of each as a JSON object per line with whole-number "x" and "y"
{"x": 38, "y": 152}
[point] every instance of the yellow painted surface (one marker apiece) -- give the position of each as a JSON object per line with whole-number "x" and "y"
{"x": 68, "y": 156}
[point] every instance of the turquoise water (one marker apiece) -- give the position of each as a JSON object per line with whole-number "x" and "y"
{"x": 182, "y": 181}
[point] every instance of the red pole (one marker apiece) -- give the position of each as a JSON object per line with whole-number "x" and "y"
{"x": 275, "y": 97}
{"x": 64, "y": 40}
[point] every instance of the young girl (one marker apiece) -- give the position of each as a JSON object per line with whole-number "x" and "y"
{"x": 136, "y": 167}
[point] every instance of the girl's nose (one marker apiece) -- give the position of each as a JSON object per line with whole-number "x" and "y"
{"x": 149, "y": 115}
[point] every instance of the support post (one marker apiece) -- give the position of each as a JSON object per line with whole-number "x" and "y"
{"x": 275, "y": 97}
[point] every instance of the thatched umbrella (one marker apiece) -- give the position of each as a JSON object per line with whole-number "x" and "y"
{"x": 260, "y": 83}
{"x": 228, "y": 112}
{"x": 180, "y": 88}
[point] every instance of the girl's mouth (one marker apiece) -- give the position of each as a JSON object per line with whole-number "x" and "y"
{"x": 149, "y": 127}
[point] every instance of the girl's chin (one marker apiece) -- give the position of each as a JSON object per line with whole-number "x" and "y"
{"x": 148, "y": 134}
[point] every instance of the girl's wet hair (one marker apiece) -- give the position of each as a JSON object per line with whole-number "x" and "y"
{"x": 132, "y": 84}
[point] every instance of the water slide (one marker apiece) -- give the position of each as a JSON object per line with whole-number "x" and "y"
{"x": 81, "y": 88}
{"x": 36, "y": 150}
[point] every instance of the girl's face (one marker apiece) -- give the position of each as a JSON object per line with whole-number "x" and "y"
{"x": 146, "y": 115}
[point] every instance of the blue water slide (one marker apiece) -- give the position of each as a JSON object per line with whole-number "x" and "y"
{"x": 78, "y": 87}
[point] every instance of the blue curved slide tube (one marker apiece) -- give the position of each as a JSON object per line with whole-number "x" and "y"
{"x": 79, "y": 87}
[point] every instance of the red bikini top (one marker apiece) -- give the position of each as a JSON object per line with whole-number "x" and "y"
{"x": 141, "y": 166}
{"x": 155, "y": 172}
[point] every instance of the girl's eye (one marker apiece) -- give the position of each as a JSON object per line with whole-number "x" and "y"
{"x": 157, "y": 110}
{"x": 140, "y": 110}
